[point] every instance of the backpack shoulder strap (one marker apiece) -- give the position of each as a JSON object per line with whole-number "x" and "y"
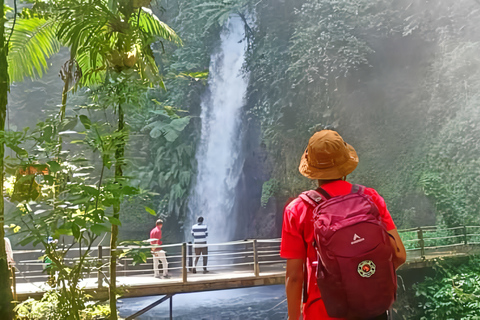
{"x": 314, "y": 197}
{"x": 356, "y": 188}
{"x": 324, "y": 193}
{"x": 308, "y": 198}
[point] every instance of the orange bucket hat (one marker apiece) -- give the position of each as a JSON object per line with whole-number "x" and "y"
{"x": 328, "y": 157}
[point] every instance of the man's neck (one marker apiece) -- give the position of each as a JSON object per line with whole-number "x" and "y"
{"x": 322, "y": 182}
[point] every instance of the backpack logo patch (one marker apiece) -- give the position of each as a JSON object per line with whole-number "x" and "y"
{"x": 357, "y": 239}
{"x": 366, "y": 268}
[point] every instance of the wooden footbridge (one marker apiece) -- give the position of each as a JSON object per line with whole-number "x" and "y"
{"x": 231, "y": 265}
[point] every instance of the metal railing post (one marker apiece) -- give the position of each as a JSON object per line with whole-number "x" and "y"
{"x": 465, "y": 234}
{"x": 14, "y": 283}
{"x": 125, "y": 267}
{"x": 246, "y": 249}
{"x": 256, "y": 266}
{"x": 99, "y": 266}
{"x": 79, "y": 253}
{"x": 190, "y": 255}
{"x": 184, "y": 262}
{"x": 421, "y": 241}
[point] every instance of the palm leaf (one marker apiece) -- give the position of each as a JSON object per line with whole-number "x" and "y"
{"x": 100, "y": 38}
{"x": 33, "y": 41}
{"x": 86, "y": 28}
{"x": 91, "y": 74}
{"x": 153, "y": 26}
{"x": 82, "y": 24}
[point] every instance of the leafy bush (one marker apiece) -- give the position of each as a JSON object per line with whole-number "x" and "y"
{"x": 268, "y": 190}
{"x": 49, "y": 308}
{"x": 453, "y": 293}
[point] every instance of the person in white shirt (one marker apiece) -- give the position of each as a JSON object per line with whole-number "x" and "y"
{"x": 200, "y": 233}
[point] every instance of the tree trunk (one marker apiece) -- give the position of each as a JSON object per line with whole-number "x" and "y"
{"x": 5, "y": 290}
{"x": 66, "y": 76}
{"x": 119, "y": 153}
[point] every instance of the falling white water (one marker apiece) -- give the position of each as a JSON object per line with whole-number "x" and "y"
{"x": 219, "y": 154}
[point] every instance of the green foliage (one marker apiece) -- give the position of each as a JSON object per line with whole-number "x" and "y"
{"x": 396, "y": 84}
{"x": 13, "y": 140}
{"x": 454, "y": 292}
{"x": 170, "y": 130}
{"x": 168, "y": 171}
{"x": 121, "y": 89}
{"x": 217, "y": 12}
{"x": 438, "y": 236}
{"x": 112, "y": 43}
{"x": 451, "y": 172}
{"x": 100, "y": 139}
{"x": 136, "y": 222}
{"x": 46, "y": 308}
{"x": 200, "y": 75}
{"x": 151, "y": 211}
{"x": 6, "y": 8}
{"x": 136, "y": 251}
{"x": 111, "y": 40}
{"x": 327, "y": 42}
{"x": 155, "y": 29}
{"x": 69, "y": 207}
{"x": 296, "y": 65}
{"x": 199, "y": 23}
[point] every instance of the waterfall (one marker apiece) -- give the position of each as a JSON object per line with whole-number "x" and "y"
{"x": 219, "y": 155}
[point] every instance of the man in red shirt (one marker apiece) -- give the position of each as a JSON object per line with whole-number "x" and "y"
{"x": 329, "y": 160}
{"x": 157, "y": 252}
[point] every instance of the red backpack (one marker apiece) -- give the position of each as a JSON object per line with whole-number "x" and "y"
{"x": 355, "y": 272}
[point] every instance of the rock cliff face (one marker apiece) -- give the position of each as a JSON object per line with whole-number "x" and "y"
{"x": 253, "y": 220}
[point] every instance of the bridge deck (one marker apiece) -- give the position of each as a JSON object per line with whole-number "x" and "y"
{"x": 145, "y": 285}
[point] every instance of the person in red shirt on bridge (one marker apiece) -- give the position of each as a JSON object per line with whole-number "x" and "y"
{"x": 327, "y": 159}
{"x": 157, "y": 252}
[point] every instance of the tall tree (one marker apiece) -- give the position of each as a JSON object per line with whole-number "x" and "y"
{"x": 110, "y": 38}
{"x": 5, "y": 290}
{"x": 23, "y": 52}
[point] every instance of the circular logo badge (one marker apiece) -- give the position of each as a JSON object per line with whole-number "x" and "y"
{"x": 366, "y": 268}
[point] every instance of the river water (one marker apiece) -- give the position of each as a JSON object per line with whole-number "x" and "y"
{"x": 266, "y": 303}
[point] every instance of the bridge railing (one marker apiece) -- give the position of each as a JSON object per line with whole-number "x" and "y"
{"x": 434, "y": 240}
{"x": 246, "y": 256}
{"x": 257, "y": 256}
